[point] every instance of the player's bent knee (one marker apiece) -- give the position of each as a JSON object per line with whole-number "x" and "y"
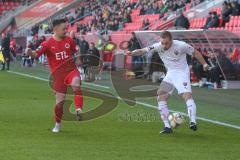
{"x": 60, "y": 98}
{"x": 76, "y": 82}
{"x": 162, "y": 96}
{"x": 187, "y": 96}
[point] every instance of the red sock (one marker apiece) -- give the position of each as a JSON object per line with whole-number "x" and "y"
{"x": 58, "y": 114}
{"x": 78, "y": 98}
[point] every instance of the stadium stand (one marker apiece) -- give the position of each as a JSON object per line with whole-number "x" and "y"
{"x": 118, "y": 19}
{"x": 114, "y": 16}
{"x": 228, "y": 15}
{"x": 9, "y": 5}
{"x": 39, "y": 12}
{"x": 131, "y": 15}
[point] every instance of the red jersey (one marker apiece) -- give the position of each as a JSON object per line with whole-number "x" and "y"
{"x": 59, "y": 53}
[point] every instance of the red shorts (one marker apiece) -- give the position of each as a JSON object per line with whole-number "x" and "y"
{"x": 62, "y": 81}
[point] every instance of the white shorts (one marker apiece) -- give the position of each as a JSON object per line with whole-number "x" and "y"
{"x": 179, "y": 80}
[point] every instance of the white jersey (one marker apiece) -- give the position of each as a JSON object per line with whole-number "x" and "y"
{"x": 175, "y": 57}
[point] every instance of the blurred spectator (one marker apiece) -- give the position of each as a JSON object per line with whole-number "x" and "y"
{"x": 83, "y": 46}
{"x": 133, "y": 43}
{"x": 182, "y": 21}
{"x": 13, "y": 47}
{"x": 146, "y": 24}
{"x": 235, "y": 9}
{"x": 219, "y": 64}
{"x": 226, "y": 12}
{"x": 112, "y": 15}
{"x": 227, "y": 66}
{"x": 91, "y": 58}
{"x": 108, "y": 51}
{"x": 235, "y": 55}
{"x": 156, "y": 68}
{"x": 26, "y": 60}
{"x": 34, "y": 30}
{"x": 214, "y": 22}
{"x": 94, "y": 55}
{"x": 5, "y": 47}
{"x": 76, "y": 40}
{"x": 215, "y": 71}
{"x": 209, "y": 18}
{"x": 198, "y": 69}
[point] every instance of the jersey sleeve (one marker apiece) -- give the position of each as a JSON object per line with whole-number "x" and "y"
{"x": 42, "y": 48}
{"x": 188, "y": 49}
{"x": 153, "y": 48}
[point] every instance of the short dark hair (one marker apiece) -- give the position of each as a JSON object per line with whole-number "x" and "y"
{"x": 166, "y": 34}
{"x": 57, "y": 22}
{"x": 215, "y": 13}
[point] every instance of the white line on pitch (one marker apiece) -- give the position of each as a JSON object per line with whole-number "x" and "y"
{"x": 43, "y": 79}
{"x": 140, "y": 103}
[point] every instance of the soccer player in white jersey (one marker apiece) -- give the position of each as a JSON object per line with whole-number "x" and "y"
{"x": 173, "y": 54}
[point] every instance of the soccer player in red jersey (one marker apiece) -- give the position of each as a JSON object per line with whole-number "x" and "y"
{"x": 60, "y": 50}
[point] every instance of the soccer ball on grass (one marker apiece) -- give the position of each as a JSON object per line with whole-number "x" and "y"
{"x": 175, "y": 119}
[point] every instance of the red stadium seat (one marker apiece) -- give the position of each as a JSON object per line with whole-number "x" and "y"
{"x": 133, "y": 24}
{"x": 156, "y": 25}
{"x": 231, "y": 22}
{"x": 198, "y": 23}
{"x": 235, "y": 23}
{"x": 238, "y": 25}
{"x": 229, "y": 29}
{"x": 132, "y": 28}
{"x": 3, "y": 7}
{"x": 135, "y": 12}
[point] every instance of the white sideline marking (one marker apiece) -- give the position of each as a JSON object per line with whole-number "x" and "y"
{"x": 200, "y": 118}
{"x": 46, "y": 80}
{"x": 140, "y": 103}
{"x": 28, "y": 75}
{"x": 97, "y": 85}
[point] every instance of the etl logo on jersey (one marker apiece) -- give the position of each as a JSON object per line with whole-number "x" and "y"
{"x": 61, "y": 55}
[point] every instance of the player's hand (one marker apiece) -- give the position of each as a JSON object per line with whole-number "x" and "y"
{"x": 206, "y": 67}
{"x": 78, "y": 62}
{"x": 28, "y": 51}
{"x": 129, "y": 53}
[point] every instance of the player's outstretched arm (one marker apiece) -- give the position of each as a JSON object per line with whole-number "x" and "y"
{"x": 137, "y": 52}
{"x": 200, "y": 58}
{"x": 31, "y": 53}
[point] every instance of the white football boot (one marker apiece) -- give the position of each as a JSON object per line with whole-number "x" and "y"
{"x": 57, "y": 128}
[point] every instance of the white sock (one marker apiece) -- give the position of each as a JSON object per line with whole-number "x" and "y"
{"x": 163, "y": 109}
{"x": 57, "y": 124}
{"x": 191, "y": 107}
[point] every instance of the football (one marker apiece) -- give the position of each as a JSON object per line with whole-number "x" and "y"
{"x": 176, "y": 119}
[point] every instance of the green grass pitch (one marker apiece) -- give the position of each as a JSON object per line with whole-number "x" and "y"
{"x": 26, "y": 120}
